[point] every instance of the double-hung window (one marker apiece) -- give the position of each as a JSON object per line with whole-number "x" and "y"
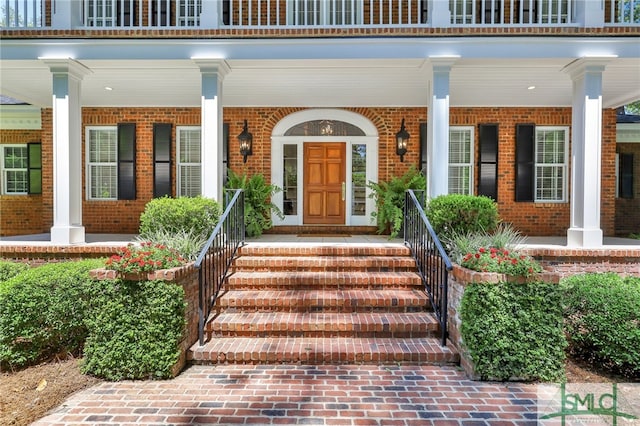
{"x": 461, "y": 160}
{"x": 102, "y": 163}
{"x": 15, "y": 174}
{"x": 551, "y": 145}
{"x": 189, "y": 163}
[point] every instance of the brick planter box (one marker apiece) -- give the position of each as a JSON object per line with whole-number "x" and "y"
{"x": 459, "y": 279}
{"x": 186, "y": 277}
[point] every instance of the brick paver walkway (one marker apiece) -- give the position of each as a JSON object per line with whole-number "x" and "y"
{"x": 299, "y": 394}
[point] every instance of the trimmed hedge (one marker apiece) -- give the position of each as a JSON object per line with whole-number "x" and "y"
{"x": 196, "y": 215}
{"x": 602, "y": 320}
{"x": 42, "y": 312}
{"x": 514, "y": 330}
{"x": 11, "y": 269}
{"x": 457, "y": 214}
{"x": 136, "y": 332}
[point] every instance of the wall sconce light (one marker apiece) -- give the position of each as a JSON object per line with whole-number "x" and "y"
{"x": 402, "y": 139}
{"x": 246, "y": 142}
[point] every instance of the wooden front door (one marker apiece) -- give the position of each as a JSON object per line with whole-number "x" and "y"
{"x": 324, "y": 183}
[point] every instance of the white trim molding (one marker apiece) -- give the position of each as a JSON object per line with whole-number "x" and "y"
{"x": 20, "y": 117}
{"x": 278, "y": 140}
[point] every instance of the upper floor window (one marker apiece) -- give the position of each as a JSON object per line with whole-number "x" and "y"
{"x": 325, "y": 12}
{"x": 461, "y": 160}
{"x": 189, "y": 163}
{"x": 551, "y": 152}
{"x": 15, "y": 175}
{"x": 102, "y": 162}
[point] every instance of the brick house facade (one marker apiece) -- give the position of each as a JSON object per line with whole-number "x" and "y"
{"x": 450, "y": 72}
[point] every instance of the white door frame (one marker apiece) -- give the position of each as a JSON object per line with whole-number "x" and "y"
{"x": 278, "y": 140}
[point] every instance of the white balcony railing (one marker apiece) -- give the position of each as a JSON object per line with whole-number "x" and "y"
{"x": 248, "y": 14}
{"x": 21, "y": 13}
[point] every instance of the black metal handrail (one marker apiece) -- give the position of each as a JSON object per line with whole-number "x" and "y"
{"x": 433, "y": 263}
{"x": 215, "y": 259}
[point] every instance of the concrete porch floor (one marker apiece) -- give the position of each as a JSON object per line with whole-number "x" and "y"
{"x": 116, "y": 239}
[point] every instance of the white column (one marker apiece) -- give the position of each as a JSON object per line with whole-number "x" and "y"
{"x": 213, "y": 72}
{"x": 211, "y": 16}
{"x": 66, "y": 14}
{"x": 439, "y": 15}
{"x": 586, "y": 152}
{"x": 438, "y": 127}
{"x": 67, "y": 151}
{"x": 589, "y": 14}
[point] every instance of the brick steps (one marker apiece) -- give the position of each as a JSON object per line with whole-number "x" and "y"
{"x": 319, "y": 303}
{"x": 329, "y": 300}
{"x": 284, "y": 280}
{"x": 324, "y": 263}
{"x": 246, "y": 350}
{"x": 282, "y": 324}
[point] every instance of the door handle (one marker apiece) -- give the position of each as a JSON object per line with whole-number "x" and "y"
{"x": 344, "y": 191}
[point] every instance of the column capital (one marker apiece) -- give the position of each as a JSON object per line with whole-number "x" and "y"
{"x": 442, "y": 63}
{"x": 215, "y": 66}
{"x": 581, "y": 66}
{"x": 67, "y": 66}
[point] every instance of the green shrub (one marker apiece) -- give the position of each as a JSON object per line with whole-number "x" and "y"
{"x": 602, "y": 321}
{"x": 11, "y": 269}
{"x": 514, "y": 330}
{"x": 42, "y": 312}
{"x": 390, "y": 196}
{"x": 461, "y": 214}
{"x": 136, "y": 332}
{"x": 195, "y": 215}
{"x": 257, "y": 201}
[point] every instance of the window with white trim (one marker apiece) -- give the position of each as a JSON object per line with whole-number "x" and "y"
{"x": 14, "y": 167}
{"x": 325, "y": 12}
{"x": 102, "y": 162}
{"x": 551, "y": 145}
{"x": 189, "y": 163}
{"x": 461, "y": 160}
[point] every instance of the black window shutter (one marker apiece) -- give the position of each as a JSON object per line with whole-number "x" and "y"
{"x": 225, "y": 152}
{"x": 162, "y": 159}
{"x": 423, "y": 147}
{"x": 34, "y": 162}
{"x": 625, "y": 184}
{"x": 488, "y": 161}
{"x": 525, "y": 164}
{"x": 225, "y": 12}
{"x": 126, "y": 161}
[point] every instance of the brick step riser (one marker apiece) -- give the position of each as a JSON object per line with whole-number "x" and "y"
{"x": 349, "y": 301}
{"x": 325, "y": 334}
{"x": 320, "y": 286}
{"x": 360, "y": 309}
{"x": 320, "y": 358}
{"x": 332, "y": 309}
{"x": 303, "y": 252}
{"x": 321, "y": 268}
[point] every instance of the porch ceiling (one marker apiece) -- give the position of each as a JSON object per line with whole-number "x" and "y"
{"x": 322, "y": 82}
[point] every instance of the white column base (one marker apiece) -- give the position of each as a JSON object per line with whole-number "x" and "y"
{"x": 67, "y": 234}
{"x": 580, "y": 237}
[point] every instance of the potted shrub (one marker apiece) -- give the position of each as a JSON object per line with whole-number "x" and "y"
{"x": 390, "y": 196}
{"x": 257, "y": 201}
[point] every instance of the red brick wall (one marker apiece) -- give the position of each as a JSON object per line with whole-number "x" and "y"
{"x": 628, "y": 209}
{"x": 123, "y": 216}
{"x": 540, "y": 219}
{"x": 20, "y": 214}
